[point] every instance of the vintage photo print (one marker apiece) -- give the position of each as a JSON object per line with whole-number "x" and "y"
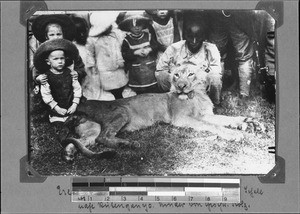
{"x": 151, "y": 92}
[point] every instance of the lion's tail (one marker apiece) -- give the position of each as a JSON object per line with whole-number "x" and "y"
{"x": 88, "y": 153}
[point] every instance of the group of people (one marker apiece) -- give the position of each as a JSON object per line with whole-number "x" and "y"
{"x": 107, "y": 55}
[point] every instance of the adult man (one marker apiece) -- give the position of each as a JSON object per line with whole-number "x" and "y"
{"x": 194, "y": 50}
{"x": 234, "y": 25}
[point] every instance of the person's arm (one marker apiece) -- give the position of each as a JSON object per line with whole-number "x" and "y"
{"x": 127, "y": 53}
{"x": 159, "y": 46}
{"x": 77, "y": 93}
{"x": 79, "y": 67}
{"x": 49, "y": 100}
{"x": 38, "y": 78}
{"x": 214, "y": 57}
{"x": 166, "y": 61}
{"x": 77, "y": 90}
{"x": 91, "y": 53}
{"x": 154, "y": 44}
{"x": 164, "y": 67}
{"x": 47, "y": 96}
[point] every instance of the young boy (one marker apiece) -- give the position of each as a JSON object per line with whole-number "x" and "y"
{"x": 139, "y": 51}
{"x": 61, "y": 92}
{"x": 56, "y": 26}
{"x": 165, "y": 27}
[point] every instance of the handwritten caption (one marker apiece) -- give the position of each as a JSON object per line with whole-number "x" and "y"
{"x": 91, "y": 207}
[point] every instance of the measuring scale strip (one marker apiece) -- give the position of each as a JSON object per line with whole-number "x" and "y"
{"x": 155, "y": 189}
{"x": 201, "y": 195}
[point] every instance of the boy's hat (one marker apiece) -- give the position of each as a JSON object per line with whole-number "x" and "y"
{"x": 42, "y": 53}
{"x": 101, "y": 21}
{"x": 132, "y": 18}
{"x": 40, "y": 23}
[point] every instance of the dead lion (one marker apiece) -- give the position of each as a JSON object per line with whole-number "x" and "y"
{"x": 186, "y": 105}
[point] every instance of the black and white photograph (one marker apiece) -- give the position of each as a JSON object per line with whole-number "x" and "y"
{"x": 155, "y": 92}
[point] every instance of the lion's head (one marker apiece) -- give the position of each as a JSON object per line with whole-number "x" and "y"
{"x": 188, "y": 80}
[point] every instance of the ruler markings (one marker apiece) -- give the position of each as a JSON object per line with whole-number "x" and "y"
{"x": 152, "y": 189}
{"x": 128, "y": 193}
{"x": 128, "y": 189}
{"x": 166, "y": 193}
{"x": 207, "y": 189}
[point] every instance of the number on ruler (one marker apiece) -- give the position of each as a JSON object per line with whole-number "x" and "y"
{"x": 123, "y": 198}
{"x": 191, "y": 198}
{"x": 107, "y": 198}
{"x": 157, "y": 198}
{"x": 224, "y": 198}
{"x": 81, "y": 198}
{"x": 207, "y": 198}
{"x": 174, "y": 198}
{"x": 141, "y": 198}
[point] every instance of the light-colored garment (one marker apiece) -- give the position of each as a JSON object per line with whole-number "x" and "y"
{"x": 91, "y": 88}
{"x": 178, "y": 54}
{"x": 104, "y": 54}
{"x": 164, "y": 33}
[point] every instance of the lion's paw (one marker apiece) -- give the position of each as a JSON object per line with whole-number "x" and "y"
{"x": 252, "y": 125}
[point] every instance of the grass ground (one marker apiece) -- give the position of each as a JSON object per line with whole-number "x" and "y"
{"x": 165, "y": 149}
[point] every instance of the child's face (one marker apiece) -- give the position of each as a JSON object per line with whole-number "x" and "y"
{"x": 194, "y": 38}
{"x": 136, "y": 29}
{"x": 56, "y": 60}
{"x": 54, "y": 31}
{"x": 162, "y": 14}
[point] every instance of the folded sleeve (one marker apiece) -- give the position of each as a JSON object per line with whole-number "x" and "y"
{"x": 77, "y": 91}
{"x": 47, "y": 96}
{"x": 214, "y": 57}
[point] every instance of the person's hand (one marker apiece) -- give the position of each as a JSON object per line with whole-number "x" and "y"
{"x": 74, "y": 74}
{"x": 120, "y": 63}
{"x": 60, "y": 110}
{"x": 42, "y": 79}
{"x": 72, "y": 109}
{"x": 138, "y": 52}
{"x": 146, "y": 51}
{"x": 163, "y": 80}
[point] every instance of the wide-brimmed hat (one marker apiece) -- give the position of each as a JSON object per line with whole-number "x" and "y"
{"x": 132, "y": 18}
{"x": 101, "y": 21}
{"x": 42, "y": 53}
{"x": 40, "y": 23}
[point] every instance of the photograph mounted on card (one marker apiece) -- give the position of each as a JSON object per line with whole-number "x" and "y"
{"x": 151, "y": 92}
